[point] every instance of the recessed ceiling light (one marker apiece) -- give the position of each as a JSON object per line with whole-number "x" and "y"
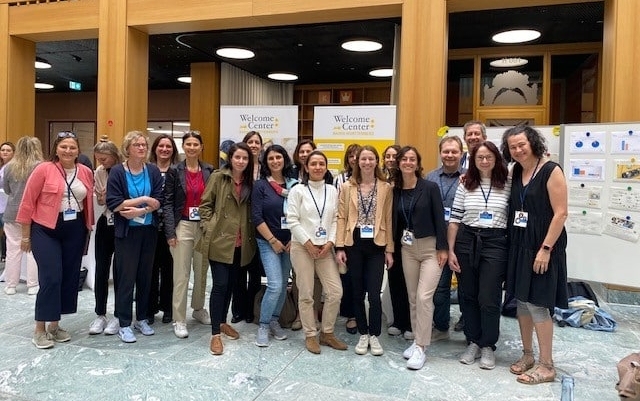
{"x": 184, "y": 80}
{"x": 40, "y": 85}
{"x": 235, "y": 53}
{"x": 42, "y": 64}
{"x": 283, "y": 76}
{"x": 362, "y": 45}
{"x": 508, "y": 62}
{"x": 516, "y": 36}
{"x": 381, "y": 72}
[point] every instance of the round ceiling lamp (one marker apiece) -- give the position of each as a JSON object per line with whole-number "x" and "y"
{"x": 381, "y": 72}
{"x": 509, "y": 62}
{"x": 362, "y": 45}
{"x": 235, "y": 53}
{"x": 184, "y": 80}
{"x": 41, "y": 85}
{"x": 282, "y": 76}
{"x": 516, "y": 36}
{"x": 42, "y": 64}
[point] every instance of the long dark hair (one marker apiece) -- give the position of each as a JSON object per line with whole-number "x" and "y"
{"x": 397, "y": 179}
{"x": 305, "y": 173}
{"x": 174, "y": 156}
{"x": 247, "y": 174}
{"x": 535, "y": 138}
{"x": 296, "y": 158}
{"x": 498, "y": 174}
{"x": 264, "y": 168}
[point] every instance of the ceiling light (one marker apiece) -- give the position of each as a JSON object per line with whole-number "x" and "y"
{"x": 235, "y": 53}
{"x": 509, "y": 62}
{"x": 184, "y": 80}
{"x": 362, "y": 45}
{"x": 40, "y": 85}
{"x": 283, "y": 76}
{"x": 516, "y": 36}
{"x": 42, "y": 64}
{"x": 381, "y": 72}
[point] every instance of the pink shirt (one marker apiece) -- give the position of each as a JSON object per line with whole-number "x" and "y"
{"x": 44, "y": 191}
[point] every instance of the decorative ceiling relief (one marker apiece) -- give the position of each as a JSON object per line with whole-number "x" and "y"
{"x": 510, "y": 88}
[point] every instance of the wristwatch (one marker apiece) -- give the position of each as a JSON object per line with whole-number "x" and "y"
{"x": 547, "y": 247}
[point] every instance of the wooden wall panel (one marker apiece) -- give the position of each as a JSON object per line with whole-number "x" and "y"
{"x": 73, "y": 20}
{"x": 20, "y": 90}
{"x": 205, "y": 107}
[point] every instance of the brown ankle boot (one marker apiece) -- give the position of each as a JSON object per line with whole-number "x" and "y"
{"x": 332, "y": 341}
{"x": 216, "y": 347}
{"x": 312, "y": 344}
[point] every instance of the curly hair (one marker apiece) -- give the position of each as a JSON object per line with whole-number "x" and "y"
{"x": 536, "y": 141}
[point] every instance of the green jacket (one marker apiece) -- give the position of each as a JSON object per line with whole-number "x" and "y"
{"x": 222, "y": 214}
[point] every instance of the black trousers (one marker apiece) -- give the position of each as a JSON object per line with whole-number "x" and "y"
{"x": 105, "y": 246}
{"x": 161, "y": 293}
{"x": 482, "y": 255}
{"x": 398, "y": 293}
{"x": 223, "y": 276}
{"x": 365, "y": 261}
{"x": 244, "y": 292}
{"x": 133, "y": 264}
{"x": 58, "y": 253}
{"x": 442, "y": 300}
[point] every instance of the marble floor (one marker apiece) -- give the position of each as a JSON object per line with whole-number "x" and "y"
{"x": 163, "y": 367}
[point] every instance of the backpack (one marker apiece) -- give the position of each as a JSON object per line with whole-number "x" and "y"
{"x": 581, "y": 289}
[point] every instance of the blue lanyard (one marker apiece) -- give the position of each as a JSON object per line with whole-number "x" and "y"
{"x": 373, "y": 194}
{"x": 69, "y": 192}
{"x": 133, "y": 181}
{"x": 445, "y": 194}
{"x": 486, "y": 197}
{"x": 324, "y": 201}
{"x": 407, "y": 218}
{"x": 525, "y": 188}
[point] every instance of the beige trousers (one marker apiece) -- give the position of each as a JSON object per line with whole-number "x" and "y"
{"x": 184, "y": 256}
{"x": 422, "y": 274}
{"x": 327, "y": 270}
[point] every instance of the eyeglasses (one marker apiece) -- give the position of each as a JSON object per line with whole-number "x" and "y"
{"x": 487, "y": 158}
{"x": 66, "y": 134}
{"x": 139, "y": 145}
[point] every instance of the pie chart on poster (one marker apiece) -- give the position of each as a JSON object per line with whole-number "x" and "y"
{"x": 595, "y": 144}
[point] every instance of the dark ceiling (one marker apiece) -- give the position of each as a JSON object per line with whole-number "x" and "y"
{"x": 313, "y": 52}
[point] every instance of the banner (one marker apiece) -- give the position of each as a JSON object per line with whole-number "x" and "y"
{"x": 276, "y": 124}
{"x": 336, "y": 127}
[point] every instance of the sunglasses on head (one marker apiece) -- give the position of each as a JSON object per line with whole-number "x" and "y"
{"x": 66, "y": 134}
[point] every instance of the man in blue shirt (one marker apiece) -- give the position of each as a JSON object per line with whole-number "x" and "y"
{"x": 447, "y": 177}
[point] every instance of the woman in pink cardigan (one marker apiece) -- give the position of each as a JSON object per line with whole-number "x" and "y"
{"x": 56, "y": 213}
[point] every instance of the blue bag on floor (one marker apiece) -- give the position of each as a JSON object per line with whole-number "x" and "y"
{"x": 583, "y": 312}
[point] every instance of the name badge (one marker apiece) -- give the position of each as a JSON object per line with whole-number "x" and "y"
{"x": 486, "y": 218}
{"x": 366, "y": 231}
{"x": 194, "y": 213}
{"x": 521, "y": 219}
{"x": 69, "y": 214}
{"x": 321, "y": 233}
{"x": 283, "y": 223}
{"x": 109, "y": 216}
{"x": 140, "y": 219}
{"x": 407, "y": 237}
{"x": 447, "y": 213}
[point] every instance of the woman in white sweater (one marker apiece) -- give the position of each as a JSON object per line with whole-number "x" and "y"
{"x": 312, "y": 219}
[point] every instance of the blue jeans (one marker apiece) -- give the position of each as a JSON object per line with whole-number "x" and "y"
{"x": 277, "y": 268}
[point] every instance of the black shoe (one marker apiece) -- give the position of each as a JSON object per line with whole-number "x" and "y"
{"x": 459, "y": 325}
{"x": 167, "y": 318}
{"x": 151, "y": 320}
{"x": 236, "y": 319}
{"x": 249, "y": 320}
{"x": 351, "y": 330}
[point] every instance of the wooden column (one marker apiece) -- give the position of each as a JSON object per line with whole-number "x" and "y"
{"x": 123, "y": 73}
{"x": 423, "y": 76}
{"x": 204, "y": 107}
{"x": 620, "y": 57}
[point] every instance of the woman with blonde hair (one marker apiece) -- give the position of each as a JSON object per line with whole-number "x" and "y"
{"x": 27, "y": 156}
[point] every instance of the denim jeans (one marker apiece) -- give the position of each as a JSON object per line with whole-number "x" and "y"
{"x": 277, "y": 267}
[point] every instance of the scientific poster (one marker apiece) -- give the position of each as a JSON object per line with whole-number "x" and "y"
{"x": 624, "y": 198}
{"x": 586, "y": 169}
{"x": 585, "y": 195}
{"x": 623, "y": 227}
{"x": 587, "y": 142}
{"x": 626, "y": 170}
{"x": 625, "y": 142}
{"x": 584, "y": 222}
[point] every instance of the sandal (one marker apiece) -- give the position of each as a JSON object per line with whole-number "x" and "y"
{"x": 535, "y": 377}
{"x": 523, "y": 364}
{"x": 352, "y": 326}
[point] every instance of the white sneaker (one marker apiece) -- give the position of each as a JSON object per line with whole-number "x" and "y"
{"x": 363, "y": 345}
{"x": 487, "y": 358}
{"x": 470, "y": 355}
{"x": 112, "y": 327}
{"x": 98, "y": 325}
{"x": 10, "y": 290}
{"x": 376, "y": 348}
{"x": 202, "y": 315}
{"x": 417, "y": 360}
{"x": 409, "y": 351}
{"x": 180, "y": 330}
{"x": 393, "y": 331}
{"x": 408, "y": 335}
{"x": 437, "y": 335}
{"x": 33, "y": 290}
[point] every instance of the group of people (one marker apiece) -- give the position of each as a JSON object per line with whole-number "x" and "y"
{"x": 264, "y": 214}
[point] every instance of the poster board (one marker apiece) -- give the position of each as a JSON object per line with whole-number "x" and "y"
{"x": 602, "y": 166}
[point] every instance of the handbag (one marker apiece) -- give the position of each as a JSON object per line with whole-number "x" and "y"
{"x": 628, "y": 385}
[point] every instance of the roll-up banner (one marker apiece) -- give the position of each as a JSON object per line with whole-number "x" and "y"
{"x": 276, "y": 124}
{"x": 335, "y": 128}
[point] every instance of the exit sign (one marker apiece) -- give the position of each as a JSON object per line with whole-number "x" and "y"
{"x": 76, "y": 86}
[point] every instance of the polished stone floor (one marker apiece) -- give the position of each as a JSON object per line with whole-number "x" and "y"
{"x": 163, "y": 367}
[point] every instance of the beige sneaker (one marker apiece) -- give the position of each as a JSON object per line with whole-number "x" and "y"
{"x": 376, "y": 348}
{"x": 202, "y": 315}
{"x": 438, "y": 335}
{"x": 58, "y": 334}
{"x": 42, "y": 341}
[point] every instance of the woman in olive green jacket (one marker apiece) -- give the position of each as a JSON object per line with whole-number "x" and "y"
{"x": 228, "y": 239}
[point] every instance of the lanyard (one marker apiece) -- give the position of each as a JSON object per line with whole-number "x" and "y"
{"x": 525, "y": 188}
{"x": 445, "y": 194}
{"x": 324, "y": 201}
{"x": 69, "y": 192}
{"x": 407, "y": 217}
{"x": 133, "y": 181}
{"x": 372, "y": 194}
{"x": 486, "y": 197}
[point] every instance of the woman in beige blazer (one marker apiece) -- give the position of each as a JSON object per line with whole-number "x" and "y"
{"x": 365, "y": 242}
